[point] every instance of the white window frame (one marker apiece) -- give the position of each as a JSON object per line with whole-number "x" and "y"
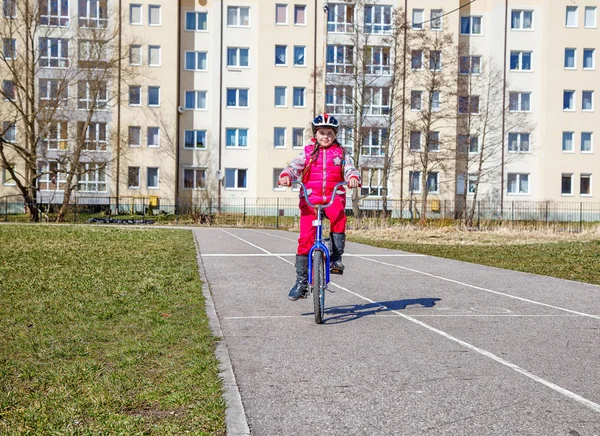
{"x": 412, "y": 143}
{"x": 377, "y": 19}
{"x": 518, "y": 97}
{"x": 566, "y": 137}
{"x": 62, "y": 60}
{"x": 593, "y": 51}
{"x": 130, "y": 135}
{"x": 416, "y": 100}
{"x": 575, "y": 10}
{"x": 279, "y": 132}
{"x": 236, "y": 179}
{"x": 237, "y": 143}
{"x": 433, "y": 140}
{"x": 435, "y": 63}
{"x": 470, "y": 64}
{"x": 132, "y": 60}
{"x": 197, "y": 16}
{"x": 436, "y": 22}
{"x": 237, "y": 104}
{"x": 337, "y": 16}
{"x": 303, "y": 57}
{"x": 590, "y": 184}
{"x": 414, "y": 176}
{"x": 129, "y": 184}
{"x": 520, "y": 136}
{"x": 378, "y": 60}
{"x": 154, "y": 88}
{"x": 567, "y": 50}
{"x": 52, "y": 172}
{"x": 149, "y": 143}
{"x": 571, "y": 178}
{"x": 94, "y": 18}
{"x": 416, "y": 22}
{"x": 61, "y": 19}
{"x": 284, "y": 6}
{"x": 150, "y": 8}
{"x": 374, "y": 175}
{"x": 297, "y": 8}
{"x": 373, "y": 141}
{"x": 377, "y": 100}
{"x": 276, "y": 185}
{"x": 521, "y": 13}
{"x": 430, "y": 176}
{"x": 420, "y": 59}
{"x": 238, "y": 16}
{"x": 93, "y": 136}
{"x": 583, "y": 100}
{"x": 285, "y": 55}
{"x": 573, "y": 106}
{"x": 153, "y": 187}
{"x": 131, "y": 88}
{"x": 468, "y": 99}
{"x": 519, "y": 183}
{"x": 338, "y": 99}
{"x": 342, "y": 61}
{"x": 10, "y": 8}
{"x": 520, "y": 54}
{"x": 197, "y": 63}
{"x": 57, "y": 93}
{"x": 85, "y": 100}
{"x": 471, "y": 19}
{"x": 284, "y": 89}
{"x": 94, "y": 176}
{"x": 155, "y": 47}
{"x": 60, "y": 140}
{"x": 595, "y": 17}
{"x": 299, "y": 92}
{"x": 196, "y": 134}
{"x": 197, "y": 94}
{"x": 9, "y": 48}
{"x": 195, "y": 178}
{"x": 591, "y": 136}
{"x": 238, "y": 57}
{"x": 131, "y": 7}
{"x": 297, "y": 132}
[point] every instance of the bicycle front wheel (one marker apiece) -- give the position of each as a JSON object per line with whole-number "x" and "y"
{"x": 318, "y": 279}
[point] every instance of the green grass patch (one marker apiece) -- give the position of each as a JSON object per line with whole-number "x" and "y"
{"x": 577, "y": 261}
{"x": 104, "y": 331}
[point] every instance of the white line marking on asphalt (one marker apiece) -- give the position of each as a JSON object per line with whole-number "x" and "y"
{"x": 516, "y": 368}
{"x": 293, "y": 254}
{"x": 481, "y": 289}
{"x": 379, "y": 315}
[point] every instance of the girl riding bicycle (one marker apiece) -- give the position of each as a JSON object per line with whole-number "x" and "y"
{"x": 322, "y": 164}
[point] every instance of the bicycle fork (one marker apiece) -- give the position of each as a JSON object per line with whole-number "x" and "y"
{"x": 319, "y": 246}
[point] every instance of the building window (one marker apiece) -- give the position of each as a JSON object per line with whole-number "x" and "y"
{"x": 195, "y": 60}
{"x": 517, "y": 183}
{"x": 9, "y": 131}
{"x": 10, "y": 8}
{"x": 276, "y": 173}
{"x": 195, "y": 100}
{"x": 566, "y": 184}
{"x": 152, "y": 178}
{"x": 374, "y": 140}
{"x": 472, "y": 183}
{"x": 237, "y": 97}
{"x": 281, "y": 55}
{"x": 436, "y": 19}
{"x": 568, "y": 142}
{"x": 435, "y": 60}
{"x": 54, "y": 12}
{"x": 92, "y": 95}
{"x": 470, "y": 25}
{"x": 340, "y": 18}
{"x": 236, "y": 138}
{"x": 237, "y": 57}
{"x": 154, "y": 15}
{"x": 153, "y": 137}
{"x": 135, "y": 136}
{"x": 135, "y": 15}
{"x": 9, "y": 90}
{"x": 569, "y": 100}
{"x": 587, "y": 100}
{"x": 590, "y": 17}
{"x": 154, "y": 55}
{"x": 570, "y": 58}
{"x": 434, "y": 141}
{"x": 299, "y": 97}
{"x": 434, "y": 101}
{"x": 433, "y": 182}
{"x": 238, "y": 16}
{"x": 235, "y": 178}
{"x": 135, "y": 95}
{"x": 571, "y": 16}
{"x": 135, "y": 55}
{"x": 338, "y": 100}
{"x": 56, "y": 136}
{"x": 92, "y": 54}
{"x": 280, "y": 96}
{"x": 279, "y": 137}
{"x": 586, "y": 142}
{"x": 518, "y": 142}
{"x": 299, "y": 56}
{"x": 300, "y": 15}
{"x": 194, "y": 139}
{"x": 519, "y": 101}
{"x": 154, "y": 96}
{"x": 415, "y": 141}
{"x": 521, "y": 20}
{"x": 378, "y": 60}
{"x": 92, "y": 178}
{"x": 468, "y": 104}
{"x": 93, "y": 13}
{"x": 414, "y": 182}
{"x": 416, "y": 99}
{"x": 54, "y": 52}
{"x": 133, "y": 177}
{"x": 585, "y": 184}
{"x": 377, "y": 101}
{"x": 196, "y": 21}
{"x": 194, "y": 178}
{"x": 589, "y": 57}
{"x": 468, "y": 144}
{"x": 281, "y": 14}
{"x": 53, "y": 177}
{"x": 520, "y": 61}
{"x": 7, "y": 178}
{"x": 416, "y": 59}
{"x": 372, "y": 184}
{"x": 95, "y": 136}
{"x": 53, "y": 92}
{"x": 470, "y": 65}
{"x": 297, "y": 137}
{"x": 378, "y": 18}
{"x": 418, "y": 16}
{"x": 340, "y": 59}
{"x": 9, "y": 48}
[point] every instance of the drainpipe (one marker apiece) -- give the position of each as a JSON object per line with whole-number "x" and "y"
{"x": 178, "y": 121}
{"x": 119, "y": 90}
{"x": 403, "y": 132}
{"x": 221, "y": 172}
{"x": 315, "y": 63}
{"x": 503, "y": 111}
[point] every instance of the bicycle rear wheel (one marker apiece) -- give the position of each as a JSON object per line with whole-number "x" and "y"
{"x": 318, "y": 280}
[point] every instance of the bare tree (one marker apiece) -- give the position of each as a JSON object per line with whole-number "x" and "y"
{"x": 431, "y": 127}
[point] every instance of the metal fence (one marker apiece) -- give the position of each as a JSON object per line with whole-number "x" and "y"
{"x": 284, "y": 212}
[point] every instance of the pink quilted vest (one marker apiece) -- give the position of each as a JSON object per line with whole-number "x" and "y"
{"x": 323, "y": 171}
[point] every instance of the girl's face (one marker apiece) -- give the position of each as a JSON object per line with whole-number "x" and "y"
{"x": 325, "y": 136}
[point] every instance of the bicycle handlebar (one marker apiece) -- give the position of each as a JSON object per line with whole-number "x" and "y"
{"x": 298, "y": 182}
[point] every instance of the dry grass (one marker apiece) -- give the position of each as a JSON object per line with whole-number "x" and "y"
{"x": 456, "y": 236}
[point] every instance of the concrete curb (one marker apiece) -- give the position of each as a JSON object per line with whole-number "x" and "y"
{"x": 235, "y": 416}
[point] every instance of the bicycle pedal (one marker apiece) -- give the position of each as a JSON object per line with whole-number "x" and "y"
{"x": 339, "y": 272}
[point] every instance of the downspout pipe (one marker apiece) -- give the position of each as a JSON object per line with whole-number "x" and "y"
{"x": 503, "y": 111}
{"x": 178, "y": 123}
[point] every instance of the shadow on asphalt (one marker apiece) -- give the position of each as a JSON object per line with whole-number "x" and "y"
{"x": 339, "y": 314}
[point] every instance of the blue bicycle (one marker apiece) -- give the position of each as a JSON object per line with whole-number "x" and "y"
{"x": 319, "y": 256}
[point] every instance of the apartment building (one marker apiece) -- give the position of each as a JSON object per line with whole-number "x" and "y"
{"x": 213, "y": 98}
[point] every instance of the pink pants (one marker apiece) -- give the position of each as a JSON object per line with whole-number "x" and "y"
{"x": 335, "y": 213}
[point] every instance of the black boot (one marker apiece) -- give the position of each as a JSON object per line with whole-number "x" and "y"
{"x": 300, "y": 288}
{"x": 338, "y": 242}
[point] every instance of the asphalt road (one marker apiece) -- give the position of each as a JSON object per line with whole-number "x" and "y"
{"x": 411, "y": 345}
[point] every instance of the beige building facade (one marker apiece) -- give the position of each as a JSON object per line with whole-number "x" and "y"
{"x": 214, "y": 98}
